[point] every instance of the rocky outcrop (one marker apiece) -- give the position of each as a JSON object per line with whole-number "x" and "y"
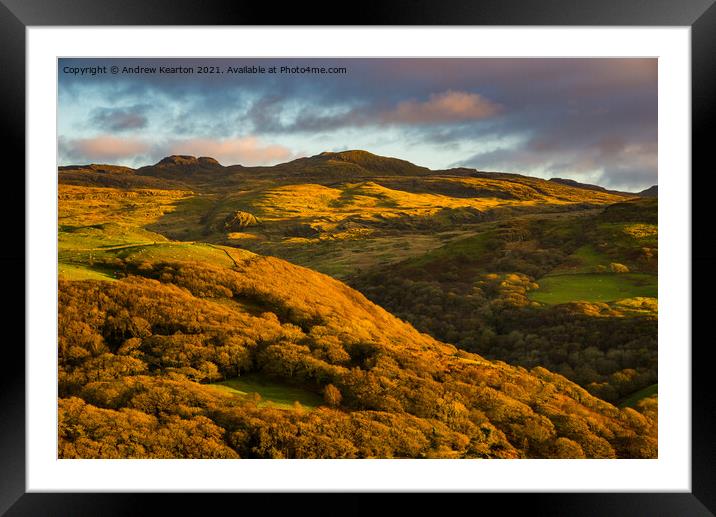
{"x": 238, "y": 221}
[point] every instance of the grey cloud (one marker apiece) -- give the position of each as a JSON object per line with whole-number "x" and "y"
{"x": 438, "y": 109}
{"x": 119, "y": 119}
{"x": 569, "y": 114}
{"x": 617, "y": 164}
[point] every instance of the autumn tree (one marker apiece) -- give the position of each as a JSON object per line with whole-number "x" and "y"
{"x": 332, "y": 395}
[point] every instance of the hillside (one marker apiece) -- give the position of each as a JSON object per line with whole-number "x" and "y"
{"x": 315, "y": 211}
{"x": 347, "y": 165}
{"x": 589, "y": 186}
{"x": 576, "y": 294}
{"x": 179, "y": 328}
{"x": 652, "y": 191}
{"x": 137, "y": 354}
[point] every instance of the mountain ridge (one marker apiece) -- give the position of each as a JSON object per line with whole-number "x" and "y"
{"x": 588, "y": 186}
{"x": 351, "y": 163}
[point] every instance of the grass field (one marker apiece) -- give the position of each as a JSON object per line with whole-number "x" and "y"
{"x": 630, "y": 234}
{"x": 313, "y": 202}
{"x": 104, "y": 235}
{"x": 341, "y": 258}
{"x": 183, "y": 252}
{"x": 594, "y": 287}
{"x": 272, "y": 393}
{"x": 469, "y": 248}
{"x": 632, "y": 399}
{"x": 584, "y": 260}
{"x": 587, "y": 259}
{"x": 76, "y": 264}
{"x": 82, "y": 272}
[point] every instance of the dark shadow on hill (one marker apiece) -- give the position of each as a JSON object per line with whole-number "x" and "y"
{"x": 191, "y": 218}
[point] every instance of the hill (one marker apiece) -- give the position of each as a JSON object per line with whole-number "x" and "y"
{"x": 189, "y": 323}
{"x": 95, "y": 167}
{"x": 319, "y": 211}
{"x": 575, "y": 293}
{"x": 136, "y": 355}
{"x": 182, "y": 167}
{"x": 588, "y": 186}
{"x": 350, "y": 164}
{"x": 652, "y": 191}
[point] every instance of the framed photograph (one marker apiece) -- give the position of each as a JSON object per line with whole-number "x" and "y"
{"x": 423, "y": 252}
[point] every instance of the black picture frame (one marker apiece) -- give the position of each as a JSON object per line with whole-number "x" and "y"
{"x": 17, "y": 15}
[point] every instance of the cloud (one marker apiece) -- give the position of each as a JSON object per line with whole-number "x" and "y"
{"x": 247, "y": 150}
{"x": 551, "y": 115}
{"x": 612, "y": 162}
{"x": 449, "y": 106}
{"x": 104, "y": 148}
{"x": 274, "y": 115}
{"x": 119, "y": 119}
{"x": 243, "y": 150}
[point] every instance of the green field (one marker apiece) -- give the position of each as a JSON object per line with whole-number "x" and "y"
{"x": 629, "y": 235}
{"x": 589, "y": 258}
{"x": 273, "y": 393}
{"x": 632, "y": 399}
{"x": 585, "y": 259}
{"x": 470, "y": 248}
{"x": 104, "y": 235}
{"x": 342, "y": 257}
{"x": 594, "y": 287}
{"x": 82, "y": 272}
{"x": 76, "y": 264}
{"x": 183, "y": 251}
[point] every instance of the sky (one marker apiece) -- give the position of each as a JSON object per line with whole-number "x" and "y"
{"x": 592, "y": 120}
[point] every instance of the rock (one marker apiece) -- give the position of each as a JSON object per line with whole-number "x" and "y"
{"x": 237, "y": 221}
{"x": 302, "y": 230}
{"x": 615, "y": 267}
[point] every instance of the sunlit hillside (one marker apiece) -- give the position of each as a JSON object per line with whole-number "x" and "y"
{"x": 271, "y": 312}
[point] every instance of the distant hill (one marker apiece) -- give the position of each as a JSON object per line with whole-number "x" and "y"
{"x": 95, "y": 167}
{"x": 182, "y": 166}
{"x": 333, "y": 195}
{"x": 114, "y": 176}
{"x": 374, "y": 163}
{"x": 323, "y": 168}
{"x": 346, "y": 165}
{"x": 587, "y": 186}
{"x": 652, "y": 191}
